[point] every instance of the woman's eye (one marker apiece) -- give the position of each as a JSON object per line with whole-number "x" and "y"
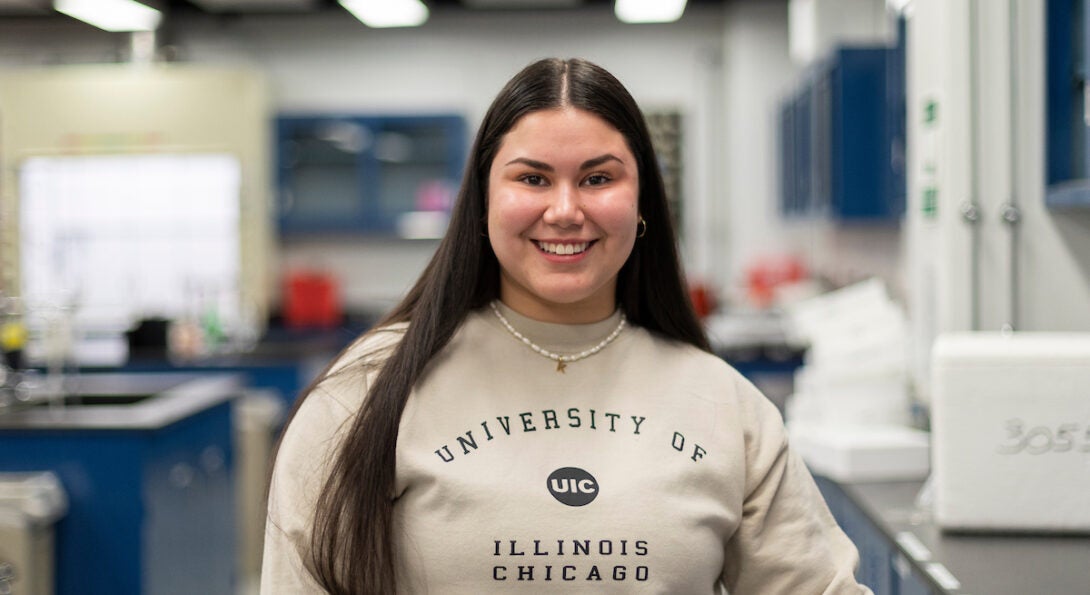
{"x": 597, "y": 179}
{"x": 533, "y": 179}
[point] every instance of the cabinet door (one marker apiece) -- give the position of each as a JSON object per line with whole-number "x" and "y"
{"x": 1068, "y": 95}
{"x": 416, "y": 168}
{"x": 860, "y": 145}
{"x": 787, "y": 158}
{"x": 847, "y": 135}
{"x": 386, "y": 175}
{"x": 826, "y": 141}
{"x": 875, "y": 552}
{"x": 321, "y": 177}
{"x": 803, "y": 124}
{"x": 188, "y": 524}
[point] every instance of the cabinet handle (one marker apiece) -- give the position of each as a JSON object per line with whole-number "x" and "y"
{"x": 1010, "y": 213}
{"x": 1086, "y": 102}
{"x": 213, "y": 459}
{"x": 181, "y": 476}
{"x": 970, "y": 212}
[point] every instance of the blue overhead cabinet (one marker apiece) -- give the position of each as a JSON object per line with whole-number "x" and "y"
{"x": 379, "y": 175}
{"x": 842, "y": 144}
{"x": 1068, "y": 111}
{"x": 804, "y": 125}
{"x": 786, "y": 156}
{"x": 796, "y": 153}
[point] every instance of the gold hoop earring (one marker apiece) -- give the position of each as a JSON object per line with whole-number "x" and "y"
{"x": 642, "y": 227}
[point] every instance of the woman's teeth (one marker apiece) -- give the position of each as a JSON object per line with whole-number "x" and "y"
{"x": 563, "y": 249}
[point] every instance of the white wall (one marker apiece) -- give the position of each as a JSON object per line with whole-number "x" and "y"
{"x": 758, "y": 72}
{"x": 817, "y": 26}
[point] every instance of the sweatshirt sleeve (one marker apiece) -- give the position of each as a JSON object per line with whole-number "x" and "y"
{"x": 282, "y": 569}
{"x": 311, "y": 440}
{"x": 299, "y": 474}
{"x": 787, "y": 541}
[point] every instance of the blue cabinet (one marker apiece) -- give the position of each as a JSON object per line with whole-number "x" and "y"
{"x": 796, "y": 153}
{"x": 842, "y": 138}
{"x": 151, "y": 494}
{"x": 380, "y": 175}
{"x": 876, "y": 554}
{"x": 902, "y": 551}
{"x": 1068, "y": 120}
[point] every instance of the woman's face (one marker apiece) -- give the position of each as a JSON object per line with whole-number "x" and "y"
{"x": 563, "y": 202}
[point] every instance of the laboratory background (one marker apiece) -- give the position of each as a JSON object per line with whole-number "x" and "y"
{"x": 884, "y": 216}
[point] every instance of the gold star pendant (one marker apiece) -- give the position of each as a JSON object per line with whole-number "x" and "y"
{"x": 560, "y": 365}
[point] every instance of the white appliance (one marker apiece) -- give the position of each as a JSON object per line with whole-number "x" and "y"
{"x": 1011, "y": 431}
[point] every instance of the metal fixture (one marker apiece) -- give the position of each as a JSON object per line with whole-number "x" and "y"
{"x": 970, "y": 212}
{"x": 1010, "y": 213}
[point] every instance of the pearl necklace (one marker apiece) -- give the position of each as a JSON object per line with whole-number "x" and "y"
{"x": 562, "y": 360}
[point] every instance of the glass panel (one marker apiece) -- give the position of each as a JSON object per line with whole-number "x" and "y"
{"x": 1082, "y": 100}
{"x": 413, "y": 165}
{"x": 325, "y": 176}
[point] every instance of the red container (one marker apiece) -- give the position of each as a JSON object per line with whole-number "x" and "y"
{"x": 311, "y": 300}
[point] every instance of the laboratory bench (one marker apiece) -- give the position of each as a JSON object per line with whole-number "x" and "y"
{"x": 147, "y": 464}
{"x": 163, "y": 461}
{"x": 283, "y": 362}
{"x": 902, "y": 552}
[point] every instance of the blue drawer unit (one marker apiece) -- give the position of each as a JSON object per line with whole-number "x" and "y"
{"x": 151, "y": 494}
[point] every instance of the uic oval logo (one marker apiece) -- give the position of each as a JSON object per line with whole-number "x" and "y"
{"x": 573, "y": 486}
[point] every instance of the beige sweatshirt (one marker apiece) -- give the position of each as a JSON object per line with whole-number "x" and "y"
{"x": 649, "y": 467}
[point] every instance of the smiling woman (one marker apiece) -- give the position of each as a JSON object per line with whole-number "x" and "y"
{"x": 563, "y": 196}
{"x": 545, "y": 387}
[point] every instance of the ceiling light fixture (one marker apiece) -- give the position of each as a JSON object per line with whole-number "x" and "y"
{"x": 649, "y": 11}
{"x": 112, "y": 15}
{"x": 387, "y": 13}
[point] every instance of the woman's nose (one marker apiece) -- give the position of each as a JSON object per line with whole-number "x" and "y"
{"x": 565, "y": 208}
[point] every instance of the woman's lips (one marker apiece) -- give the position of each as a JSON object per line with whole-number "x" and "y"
{"x": 563, "y": 248}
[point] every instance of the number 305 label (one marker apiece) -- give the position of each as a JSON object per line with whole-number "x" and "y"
{"x": 1042, "y": 439}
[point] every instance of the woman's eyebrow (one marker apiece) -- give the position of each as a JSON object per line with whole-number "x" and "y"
{"x": 532, "y": 163}
{"x": 589, "y": 163}
{"x": 595, "y": 162}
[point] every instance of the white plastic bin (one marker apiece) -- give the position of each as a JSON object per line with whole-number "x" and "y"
{"x": 30, "y": 505}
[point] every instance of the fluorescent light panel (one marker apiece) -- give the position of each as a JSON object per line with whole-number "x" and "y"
{"x": 649, "y": 11}
{"x": 111, "y": 15}
{"x": 243, "y": 6}
{"x": 387, "y": 13}
{"x": 521, "y": 4}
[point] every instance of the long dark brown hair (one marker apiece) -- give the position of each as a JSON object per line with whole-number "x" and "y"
{"x": 352, "y": 545}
